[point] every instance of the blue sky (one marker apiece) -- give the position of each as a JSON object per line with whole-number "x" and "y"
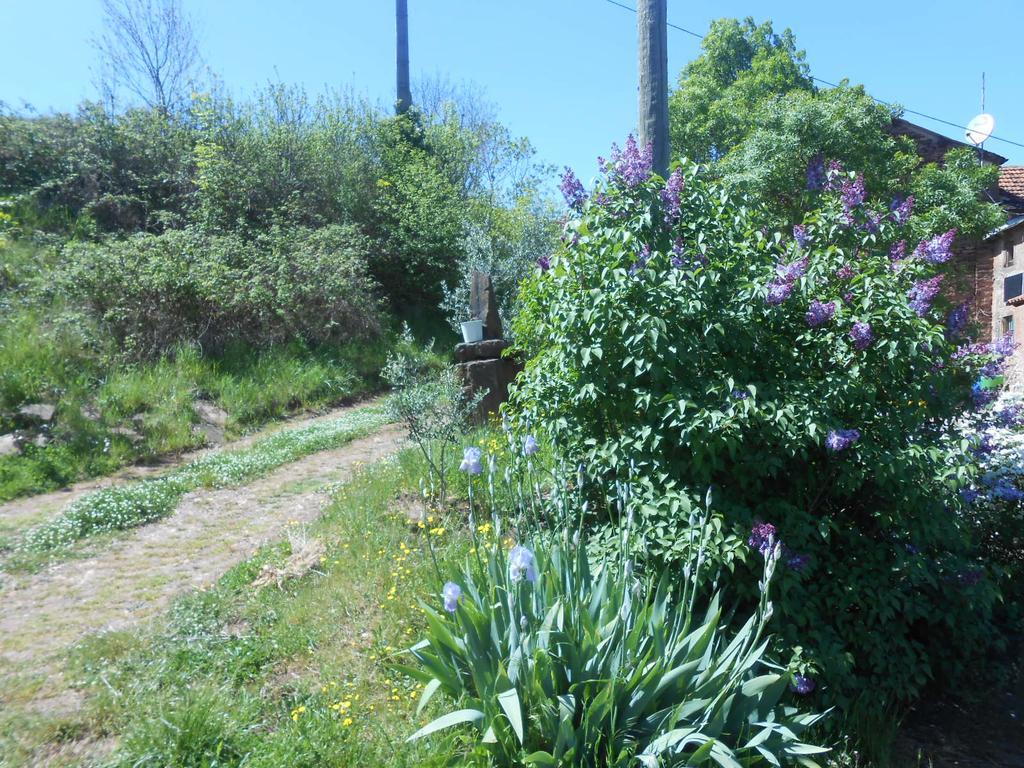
{"x": 562, "y": 72}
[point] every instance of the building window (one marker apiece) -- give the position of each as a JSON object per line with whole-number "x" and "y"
{"x": 1013, "y": 287}
{"x": 1008, "y": 326}
{"x": 1008, "y": 256}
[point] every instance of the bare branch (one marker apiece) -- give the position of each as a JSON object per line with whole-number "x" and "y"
{"x": 148, "y": 49}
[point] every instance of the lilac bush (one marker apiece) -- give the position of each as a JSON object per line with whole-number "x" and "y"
{"x": 667, "y": 299}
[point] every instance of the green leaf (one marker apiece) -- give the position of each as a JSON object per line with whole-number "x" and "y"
{"x": 447, "y": 721}
{"x": 509, "y": 701}
{"x": 428, "y": 691}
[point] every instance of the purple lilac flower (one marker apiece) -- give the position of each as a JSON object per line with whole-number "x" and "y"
{"x": 833, "y": 175}
{"x": 848, "y": 297}
{"x": 798, "y": 562}
{"x": 802, "y": 685}
{"x": 845, "y": 272}
{"x": 862, "y": 335}
{"x": 820, "y": 313}
{"x": 800, "y": 235}
{"x": 544, "y": 262}
{"x": 853, "y": 193}
{"x": 937, "y": 250}
{"x": 956, "y": 321}
{"x": 1003, "y": 347}
{"x": 572, "y": 189}
{"x": 778, "y": 292}
{"x": 1006, "y": 491}
{"x": 1010, "y": 416}
{"x": 992, "y": 369}
{"x": 923, "y": 293}
{"x": 763, "y": 537}
{"x": 792, "y": 271}
{"x": 451, "y": 593}
{"x": 631, "y": 165}
{"x": 530, "y": 445}
{"x": 471, "y": 461}
{"x": 841, "y": 439}
{"x": 677, "y": 253}
{"x": 901, "y": 209}
{"x": 982, "y": 395}
{"x": 982, "y": 446}
{"x": 671, "y": 196}
{"x": 641, "y": 260}
{"x": 898, "y": 252}
{"x": 970, "y": 577}
{"x": 522, "y": 564}
{"x": 872, "y": 222}
{"x": 969, "y": 495}
{"x": 816, "y": 173}
{"x": 740, "y": 394}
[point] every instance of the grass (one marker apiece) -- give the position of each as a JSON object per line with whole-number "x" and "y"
{"x": 298, "y": 676}
{"x": 144, "y": 501}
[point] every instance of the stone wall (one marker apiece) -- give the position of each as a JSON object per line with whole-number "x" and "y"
{"x": 1006, "y": 257}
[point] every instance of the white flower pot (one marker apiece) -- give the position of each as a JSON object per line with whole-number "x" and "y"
{"x": 472, "y": 330}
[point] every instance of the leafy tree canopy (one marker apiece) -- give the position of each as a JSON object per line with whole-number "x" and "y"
{"x": 748, "y": 106}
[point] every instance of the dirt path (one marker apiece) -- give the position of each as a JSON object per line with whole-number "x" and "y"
{"x": 21, "y": 514}
{"x": 138, "y": 574}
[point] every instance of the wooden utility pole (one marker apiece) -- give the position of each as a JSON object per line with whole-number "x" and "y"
{"x": 404, "y": 100}
{"x": 652, "y": 47}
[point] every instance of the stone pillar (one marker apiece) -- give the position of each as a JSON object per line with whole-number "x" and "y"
{"x": 480, "y": 363}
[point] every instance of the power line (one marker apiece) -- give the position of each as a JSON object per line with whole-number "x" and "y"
{"x": 834, "y": 85}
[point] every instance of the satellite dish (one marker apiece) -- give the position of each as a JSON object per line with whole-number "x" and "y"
{"x": 980, "y": 128}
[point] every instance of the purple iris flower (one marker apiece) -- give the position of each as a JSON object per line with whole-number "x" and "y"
{"x": 522, "y": 564}
{"x": 471, "y": 461}
{"x": 451, "y": 593}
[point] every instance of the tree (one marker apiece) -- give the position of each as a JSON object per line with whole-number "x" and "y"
{"x": 742, "y": 64}
{"x": 149, "y": 49}
{"x": 652, "y": 50}
{"x": 748, "y": 106}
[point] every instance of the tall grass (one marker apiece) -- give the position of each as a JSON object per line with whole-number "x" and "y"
{"x": 111, "y": 413}
{"x": 299, "y": 676}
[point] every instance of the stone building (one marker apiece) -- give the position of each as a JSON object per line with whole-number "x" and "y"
{"x": 992, "y": 270}
{"x": 999, "y": 269}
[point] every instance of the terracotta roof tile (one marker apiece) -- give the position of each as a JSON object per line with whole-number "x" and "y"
{"x": 1011, "y": 179}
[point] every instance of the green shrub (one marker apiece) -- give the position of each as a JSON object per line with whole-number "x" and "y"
{"x": 153, "y": 292}
{"x": 803, "y": 376}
